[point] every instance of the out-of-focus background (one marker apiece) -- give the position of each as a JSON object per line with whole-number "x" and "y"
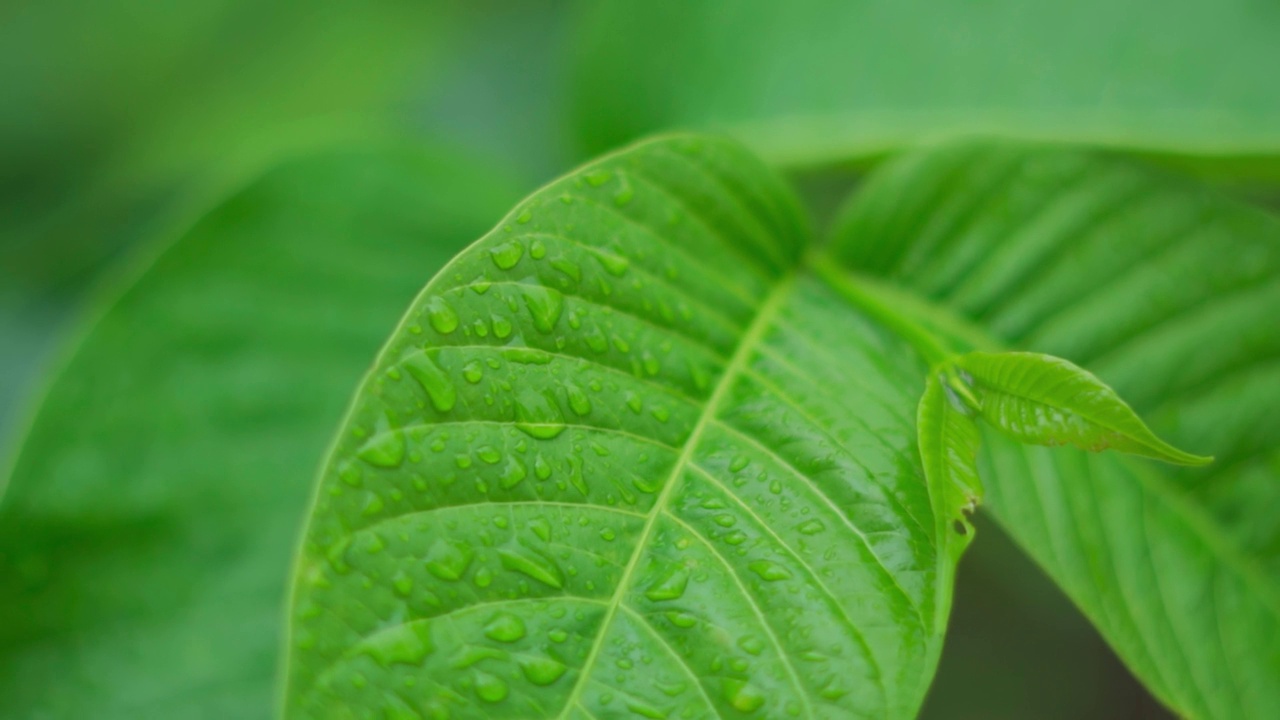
{"x": 121, "y": 121}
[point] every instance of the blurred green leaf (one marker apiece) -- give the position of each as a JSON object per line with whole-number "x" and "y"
{"x": 600, "y": 469}
{"x": 817, "y": 81}
{"x": 153, "y": 509}
{"x": 1169, "y": 293}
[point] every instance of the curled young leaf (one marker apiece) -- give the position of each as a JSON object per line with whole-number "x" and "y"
{"x": 1045, "y": 400}
{"x": 949, "y": 441}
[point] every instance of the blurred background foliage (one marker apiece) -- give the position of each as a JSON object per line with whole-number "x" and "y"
{"x": 122, "y": 121}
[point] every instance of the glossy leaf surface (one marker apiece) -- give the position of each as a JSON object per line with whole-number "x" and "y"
{"x": 1044, "y": 400}
{"x": 818, "y": 81}
{"x": 146, "y": 537}
{"x": 1169, "y": 293}
{"x": 626, "y": 457}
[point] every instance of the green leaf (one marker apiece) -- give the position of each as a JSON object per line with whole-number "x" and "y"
{"x": 152, "y": 512}
{"x": 1044, "y": 400}
{"x": 627, "y": 456}
{"x": 1169, "y": 293}
{"x": 817, "y": 82}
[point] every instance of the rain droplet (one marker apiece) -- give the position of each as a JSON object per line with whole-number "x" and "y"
{"x": 670, "y": 585}
{"x": 386, "y": 449}
{"x": 513, "y": 474}
{"x": 501, "y": 327}
{"x": 538, "y": 415}
{"x": 433, "y": 379}
{"x": 473, "y": 371}
{"x": 681, "y": 619}
{"x": 504, "y": 627}
{"x": 448, "y": 559}
{"x": 742, "y": 695}
{"x": 541, "y": 468}
{"x": 545, "y": 305}
{"x": 738, "y": 463}
{"x": 568, "y": 267}
{"x": 542, "y": 528}
{"x": 578, "y": 400}
{"x": 615, "y": 265}
{"x": 441, "y": 315}
{"x": 402, "y": 583}
{"x": 406, "y": 644}
{"x": 506, "y": 255}
{"x": 488, "y": 454}
{"x": 532, "y": 564}
{"x": 811, "y": 527}
{"x": 537, "y": 250}
{"x": 768, "y": 570}
{"x": 752, "y": 644}
{"x": 490, "y": 689}
{"x": 542, "y": 671}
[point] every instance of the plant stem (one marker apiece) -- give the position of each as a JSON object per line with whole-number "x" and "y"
{"x": 930, "y": 347}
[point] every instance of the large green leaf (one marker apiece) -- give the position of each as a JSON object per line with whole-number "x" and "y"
{"x": 824, "y": 80}
{"x": 628, "y": 457}
{"x": 147, "y": 533}
{"x": 1169, "y": 293}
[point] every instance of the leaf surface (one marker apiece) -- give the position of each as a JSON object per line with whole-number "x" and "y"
{"x": 147, "y": 532}
{"x": 1169, "y": 293}
{"x": 819, "y": 82}
{"x": 627, "y": 457}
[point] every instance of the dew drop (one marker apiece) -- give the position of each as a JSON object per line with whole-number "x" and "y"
{"x": 635, "y": 402}
{"x": 406, "y": 644}
{"x": 514, "y": 472}
{"x": 490, "y": 688}
{"x": 752, "y": 644}
{"x": 568, "y": 267}
{"x": 768, "y": 570}
{"x": 441, "y": 315}
{"x": 504, "y": 627}
{"x": 402, "y": 583}
{"x": 538, "y": 416}
{"x": 542, "y": 671}
{"x": 670, "y": 585}
{"x": 532, "y": 564}
{"x": 544, "y": 304}
{"x": 473, "y": 371}
{"x": 615, "y": 265}
{"x": 681, "y": 619}
{"x": 743, "y": 696}
{"x": 738, "y": 463}
{"x": 811, "y": 527}
{"x": 541, "y": 468}
{"x": 386, "y": 449}
{"x": 578, "y": 400}
{"x": 489, "y": 454}
{"x": 506, "y": 255}
{"x": 542, "y": 528}
{"x": 448, "y": 559}
{"x": 537, "y": 250}
{"x": 423, "y": 368}
{"x": 501, "y": 327}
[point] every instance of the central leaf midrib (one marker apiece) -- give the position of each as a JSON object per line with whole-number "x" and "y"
{"x": 754, "y": 333}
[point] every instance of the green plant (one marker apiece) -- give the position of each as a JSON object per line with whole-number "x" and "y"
{"x": 647, "y": 449}
{"x": 682, "y": 436}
